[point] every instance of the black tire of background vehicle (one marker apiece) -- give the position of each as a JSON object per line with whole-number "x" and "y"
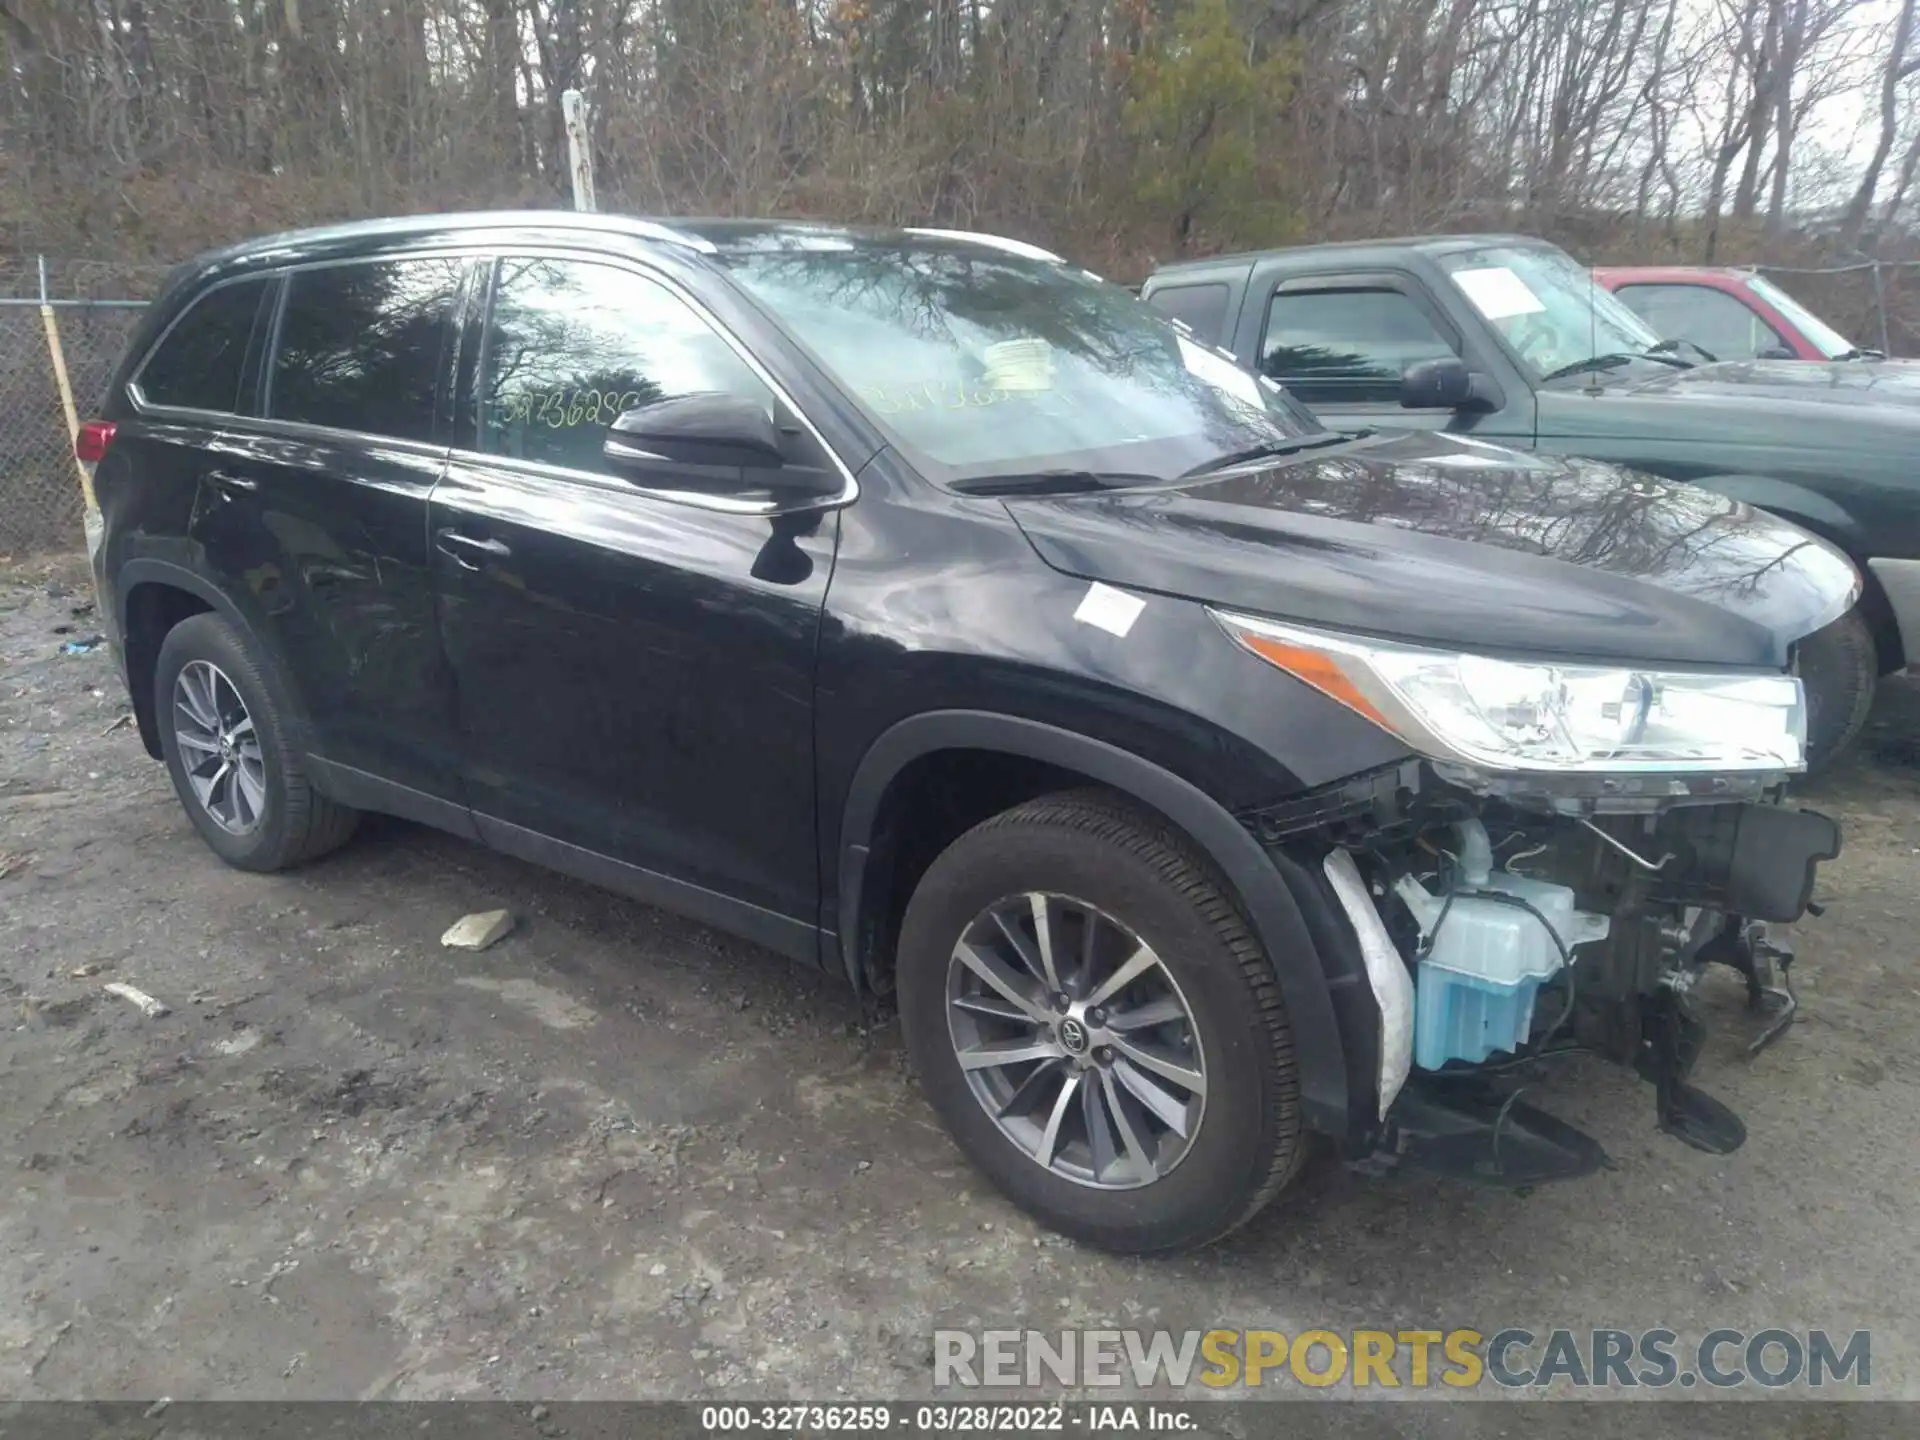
{"x": 1087, "y": 844}
{"x": 300, "y": 824}
{"x": 1839, "y": 667}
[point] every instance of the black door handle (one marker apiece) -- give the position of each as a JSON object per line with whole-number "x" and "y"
{"x": 462, "y": 549}
{"x": 227, "y": 480}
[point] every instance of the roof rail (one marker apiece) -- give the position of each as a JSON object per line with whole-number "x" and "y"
{"x": 994, "y": 242}
{"x": 266, "y": 246}
{"x": 587, "y": 220}
{"x": 654, "y": 230}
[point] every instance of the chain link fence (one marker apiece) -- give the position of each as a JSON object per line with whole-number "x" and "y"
{"x": 83, "y": 313}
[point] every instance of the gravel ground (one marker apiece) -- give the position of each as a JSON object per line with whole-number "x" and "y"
{"x": 619, "y": 1155}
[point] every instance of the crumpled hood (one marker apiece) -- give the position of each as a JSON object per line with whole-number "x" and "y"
{"x": 1440, "y": 539}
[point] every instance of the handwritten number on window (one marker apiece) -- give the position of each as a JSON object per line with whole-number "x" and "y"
{"x": 564, "y": 409}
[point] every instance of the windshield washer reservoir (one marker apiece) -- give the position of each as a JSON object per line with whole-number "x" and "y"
{"x": 1486, "y": 960}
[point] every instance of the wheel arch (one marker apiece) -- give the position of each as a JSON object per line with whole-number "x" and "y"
{"x": 145, "y": 615}
{"x": 1269, "y": 896}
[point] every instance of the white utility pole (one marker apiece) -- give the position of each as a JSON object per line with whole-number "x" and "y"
{"x": 573, "y": 109}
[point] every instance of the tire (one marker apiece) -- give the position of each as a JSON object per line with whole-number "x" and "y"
{"x": 1092, "y": 850}
{"x": 291, "y": 822}
{"x": 1840, "y": 667}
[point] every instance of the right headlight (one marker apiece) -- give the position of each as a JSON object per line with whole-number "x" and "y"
{"x": 1544, "y": 715}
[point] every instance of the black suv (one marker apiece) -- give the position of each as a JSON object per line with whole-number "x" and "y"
{"x": 930, "y": 610}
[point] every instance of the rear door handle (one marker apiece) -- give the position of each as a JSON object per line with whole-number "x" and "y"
{"x": 227, "y": 480}
{"x": 464, "y": 550}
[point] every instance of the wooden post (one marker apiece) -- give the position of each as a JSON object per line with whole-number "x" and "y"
{"x": 61, "y": 383}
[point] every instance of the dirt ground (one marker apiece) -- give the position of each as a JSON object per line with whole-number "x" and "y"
{"x": 618, "y": 1155}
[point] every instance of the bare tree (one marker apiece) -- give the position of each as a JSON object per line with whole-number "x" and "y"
{"x": 1903, "y": 60}
{"x": 1107, "y": 125}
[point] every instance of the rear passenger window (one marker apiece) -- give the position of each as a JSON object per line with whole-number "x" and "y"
{"x": 1203, "y": 308}
{"x": 1347, "y": 346}
{"x": 360, "y": 345}
{"x": 198, "y": 365}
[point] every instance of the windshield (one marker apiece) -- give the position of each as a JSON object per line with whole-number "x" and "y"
{"x": 980, "y": 362}
{"x": 1548, "y": 307}
{"x": 1827, "y": 340}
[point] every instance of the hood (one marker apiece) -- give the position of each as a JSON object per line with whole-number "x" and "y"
{"x": 1438, "y": 539}
{"x": 1892, "y": 386}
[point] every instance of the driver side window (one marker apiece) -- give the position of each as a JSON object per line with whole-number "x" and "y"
{"x": 1347, "y": 346}
{"x": 570, "y": 344}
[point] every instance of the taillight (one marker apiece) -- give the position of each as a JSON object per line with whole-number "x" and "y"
{"x": 92, "y": 442}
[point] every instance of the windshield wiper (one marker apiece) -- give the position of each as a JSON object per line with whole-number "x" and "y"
{"x": 1670, "y": 347}
{"x": 1049, "y": 482}
{"x": 1594, "y": 364}
{"x": 1273, "y": 448}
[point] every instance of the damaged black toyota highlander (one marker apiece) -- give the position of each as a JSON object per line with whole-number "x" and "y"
{"x": 921, "y": 606}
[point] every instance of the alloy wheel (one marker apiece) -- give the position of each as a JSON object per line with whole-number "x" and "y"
{"x": 219, "y": 747}
{"x": 1076, "y": 1040}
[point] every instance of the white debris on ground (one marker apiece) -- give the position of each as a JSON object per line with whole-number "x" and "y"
{"x": 151, "y": 1008}
{"x": 478, "y": 930}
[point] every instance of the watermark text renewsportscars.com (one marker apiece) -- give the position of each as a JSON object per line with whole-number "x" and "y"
{"x": 1459, "y": 1359}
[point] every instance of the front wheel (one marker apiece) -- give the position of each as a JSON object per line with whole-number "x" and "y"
{"x": 1093, "y": 1021}
{"x": 1839, "y": 667}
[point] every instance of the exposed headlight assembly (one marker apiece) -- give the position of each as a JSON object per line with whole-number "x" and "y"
{"x": 1543, "y": 715}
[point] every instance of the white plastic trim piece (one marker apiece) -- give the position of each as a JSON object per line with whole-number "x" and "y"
{"x": 1386, "y": 973}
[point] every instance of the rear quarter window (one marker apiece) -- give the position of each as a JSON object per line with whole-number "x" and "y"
{"x": 198, "y": 363}
{"x": 1201, "y": 308}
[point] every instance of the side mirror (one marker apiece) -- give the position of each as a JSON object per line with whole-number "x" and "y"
{"x": 1445, "y": 384}
{"x": 1776, "y": 352}
{"x": 708, "y": 428}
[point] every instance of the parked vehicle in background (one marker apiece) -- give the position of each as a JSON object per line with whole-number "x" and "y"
{"x": 1509, "y": 339}
{"x": 1731, "y": 314}
{"x": 924, "y": 608}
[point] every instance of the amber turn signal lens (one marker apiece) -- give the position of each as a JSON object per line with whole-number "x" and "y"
{"x": 1318, "y": 670}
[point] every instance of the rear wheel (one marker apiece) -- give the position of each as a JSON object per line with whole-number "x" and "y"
{"x": 228, "y": 750}
{"x": 1091, "y": 1018}
{"x": 1840, "y": 668}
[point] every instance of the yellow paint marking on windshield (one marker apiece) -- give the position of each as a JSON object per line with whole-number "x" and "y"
{"x": 950, "y": 395}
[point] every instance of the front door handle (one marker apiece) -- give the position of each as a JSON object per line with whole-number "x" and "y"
{"x": 464, "y": 550}
{"x": 228, "y": 481}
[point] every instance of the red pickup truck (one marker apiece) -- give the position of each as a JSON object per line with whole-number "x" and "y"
{"x": 1733, "y": 314}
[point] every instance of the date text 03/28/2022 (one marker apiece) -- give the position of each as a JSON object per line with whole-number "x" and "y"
{"x": 958, "y": 1417}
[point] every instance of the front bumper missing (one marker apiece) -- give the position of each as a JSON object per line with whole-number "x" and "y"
{"x": 1730, "y": 876}
{"x": 1467, "y": 1124}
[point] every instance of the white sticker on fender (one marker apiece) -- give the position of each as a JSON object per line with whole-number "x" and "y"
{"x": 1109, "y": 609}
